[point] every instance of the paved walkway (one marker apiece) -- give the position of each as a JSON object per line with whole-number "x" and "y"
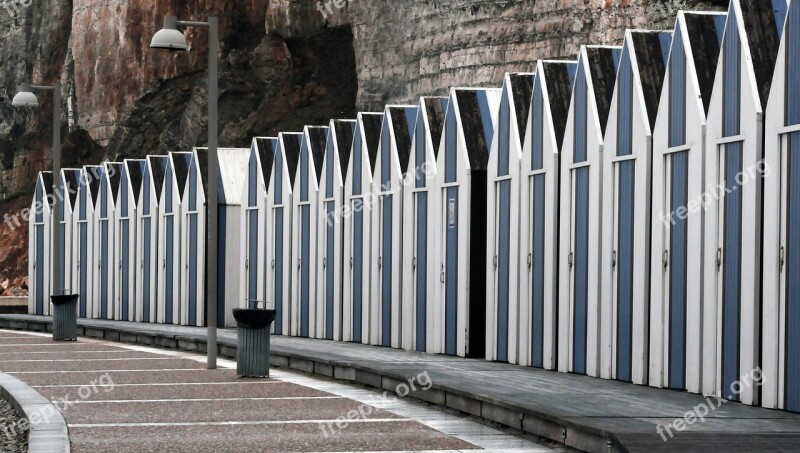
{"x": 125, "y": 398}
{"x": 583, "y": 412}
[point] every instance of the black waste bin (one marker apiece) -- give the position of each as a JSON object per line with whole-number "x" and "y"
{"x": 252, "y": 331}
{"x": 65, "y": 317}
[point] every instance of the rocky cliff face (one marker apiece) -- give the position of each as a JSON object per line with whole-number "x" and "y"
{"x": 284, "y": 63}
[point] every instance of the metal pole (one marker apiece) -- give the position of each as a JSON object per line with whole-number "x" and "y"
{"x": 211, "y": 199}
{"x": 58, "y": 193}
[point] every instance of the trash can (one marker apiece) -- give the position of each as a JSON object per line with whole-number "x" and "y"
{"x": 252, "y": 332}
{"x": 65, "y": 317}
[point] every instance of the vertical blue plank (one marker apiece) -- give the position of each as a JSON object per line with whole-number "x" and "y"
{"x": 625, "y": 105}
{"x": 580, "y": 115}
{"x": 625, "y": 266}
{"x": 193, "y": 257}
{"x": 146, "y": 241}
{"x": 422, "y": 269}
{"x": 280, "y": 297}
{"x": 503, "y": 266}
{"x": 252, "y": 179}
{"x": 677, "y": 93}
{"x": 84, "y": 249}
{"x": 451, "y": 162}
{"x": 305, "y": 262}
{"x": 503, "y": 139}
{"x": 358, "y": 271}
{"x": 252, "y": 257}
{"x": 84, "y": 283}
{"x": 731, "y": 269}
{"x": 169, "y": 229}
{"x": 451, "y": 270}
{"x": 305, "y": 156}
{"x": 792, "y": 377}
{"x": 125, "y": 283}
{"x": 386, "y": 270}
{"x": 104, "y": 267}
{"x": 731, "y": 77}
{"x": 330, "y": 266}
{"x": 537, "y": 271}
{"x": 678, "y": 246}
{"x": 792, "y": 47}
{"x": 581, "y": 268}
{"x": 386, "y": 154}
{"x": 537, "y": 159}
{"x": 40, "y": 266}
{"x": 277, "y": 170}
{"x": 222, "y": 275}
{"x": 420, "y": 140}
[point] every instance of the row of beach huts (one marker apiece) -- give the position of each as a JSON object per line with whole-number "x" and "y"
{"x": 633, "y": 215}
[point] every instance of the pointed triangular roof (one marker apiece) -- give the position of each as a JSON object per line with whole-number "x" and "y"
{"x": 343, "y": 132}
{"x": 602, "y": 63}
{"x": 232, "y": 175}
{"x": 652, "y": 51}
{"x": 559, "y": 77}
{"x": 265, "y": 147}
{"x": 291, "y": 151}
{"x": 72, "y": 178}
{"x": 135, "y": 170}
{"x": 94, "y": 173}
{"x": 435, "y": 108}
{"x": 521, "y": 92}
{"x": 705, "y": 37}
{"x": 114, "y": 178}
{"x": 158, "y": 166}
{"x": 403, "y": 123}
{"x": 477, "y": 124}
{"x": 180, "y": 162}
{"x": 317, "y": 137}
{"x": 372, "y": 132}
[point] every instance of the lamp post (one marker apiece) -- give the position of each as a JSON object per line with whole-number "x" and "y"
{"x": 171, "y": 39}
{"x": 26, "y": 98}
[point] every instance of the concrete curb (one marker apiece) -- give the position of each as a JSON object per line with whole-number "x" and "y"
{"x": 47, "y": 430}
{"x": 580, "y": 436}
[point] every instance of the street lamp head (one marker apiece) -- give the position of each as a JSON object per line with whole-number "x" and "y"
{"x": 25, "y": 97}
{"x": 169, "y": 37}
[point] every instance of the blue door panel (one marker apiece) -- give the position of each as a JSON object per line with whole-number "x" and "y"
{"x": 305, "y": 271}
{"x": 40, "y": 266}
{"x": 625, "y": 267}
{"x": 223, "y": 304}
{"x": 252, "y": 258}
{"x": 581, "y": 269}
{"x": 280, "y": 296}
{"x": 358, "y": 274}
{"x": 330, "y": 269}
{"x": 125, "y": 283}
{"x": 731, "y": 269}
{"x": 193, "y": 268}
{"x": 422, "y": 269}
{"x": 451, "y": 270}
{"x": 537, "y": 271}
{"x": 503, "y": 268}
{"x": 386, "y": 272}
{"x": 678, "y": 246}
{"x": 792, "y": 268}
{"x": 146, "y": 284}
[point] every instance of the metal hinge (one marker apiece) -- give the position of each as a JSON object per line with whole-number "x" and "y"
{"x": 570, "y": 259}
{"x": 324, "y": 263}
{"x": 665, "y": 259}
{"x": 273, "y": 264}
{"x": 380, "y": 262}
{"x": 530, "y": 260}
{"x": 441, "y": 276}
{"x": 351, "y": 262}
{"x": 494, "y": 261}
{"x": 414, "y": 263}
{"x": 298, "y": 263}
{"x": 782, "y": 256}
{"x": 719, "y": 258}
{"x": 614, "y": 259}
{"x": 247, "y": 264}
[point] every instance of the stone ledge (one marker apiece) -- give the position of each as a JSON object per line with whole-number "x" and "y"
{"x": 520, "y": 418}
{"x": 48, "y": 435}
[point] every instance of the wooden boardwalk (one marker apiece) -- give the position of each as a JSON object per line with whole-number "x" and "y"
{"x": 583, "y": 412}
